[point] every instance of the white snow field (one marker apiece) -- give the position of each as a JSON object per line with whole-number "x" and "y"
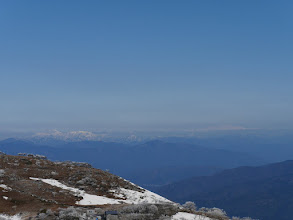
{"x": 188, "y": 216}
{"x": 135, "y": 197}
{"x": 126, "y": 195}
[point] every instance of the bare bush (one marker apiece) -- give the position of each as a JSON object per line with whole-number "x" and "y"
{"x": 190, "y": 206}
{"x": 2, "y": 172}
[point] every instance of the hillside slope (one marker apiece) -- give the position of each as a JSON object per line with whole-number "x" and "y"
{"x": 29, "y": 183}
{"x": 32, "y": 187}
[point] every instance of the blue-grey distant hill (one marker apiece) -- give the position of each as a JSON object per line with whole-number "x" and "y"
{"x": 264, "y": 192}
{"x": 151, "y": 163}
{"x": 270, "y": 146}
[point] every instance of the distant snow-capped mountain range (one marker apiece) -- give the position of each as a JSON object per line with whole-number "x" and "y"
{"x": 54, "y": 137}
{"x": 71, "y": 135}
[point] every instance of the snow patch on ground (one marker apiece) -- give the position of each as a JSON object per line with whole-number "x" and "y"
{"x": 125, "y": 195}
{"x": 3, "y": 186}
{"x": 188, "y": 216}
{"x": 88, "y": 199}
{"x": 7, "y": 217}
{"x": 136, "y": 197}
{"x": 5, "y": 197}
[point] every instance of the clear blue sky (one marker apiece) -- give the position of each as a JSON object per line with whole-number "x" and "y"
{"x": 146, "y": 64}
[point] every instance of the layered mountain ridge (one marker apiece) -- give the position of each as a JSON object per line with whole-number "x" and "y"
{"x": 263, "y": 192}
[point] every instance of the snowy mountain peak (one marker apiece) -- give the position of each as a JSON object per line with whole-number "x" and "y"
{"x": 67, "y": 136}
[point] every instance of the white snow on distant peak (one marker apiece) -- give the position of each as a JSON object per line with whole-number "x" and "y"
{"x": 188, "y": 216}
{"x": 68, "y": 136}
{"x": 8, "y": 217}
{"x": 126, "y": 195}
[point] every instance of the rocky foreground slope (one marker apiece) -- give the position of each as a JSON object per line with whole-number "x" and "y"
{"x": 32, "y": 187}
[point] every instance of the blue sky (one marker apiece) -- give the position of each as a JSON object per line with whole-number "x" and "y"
{"x": 146, "y": 64}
